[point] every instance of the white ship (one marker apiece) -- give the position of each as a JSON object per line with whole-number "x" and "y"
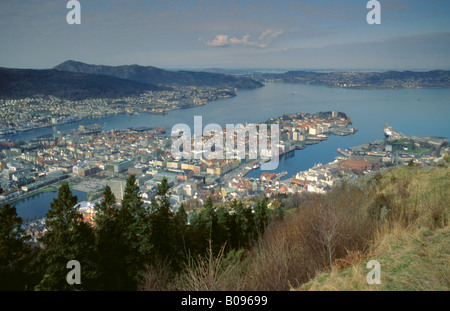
{"x": 390, "y": 133}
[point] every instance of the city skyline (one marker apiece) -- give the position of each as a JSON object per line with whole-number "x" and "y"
{"x": 227, "y": 34}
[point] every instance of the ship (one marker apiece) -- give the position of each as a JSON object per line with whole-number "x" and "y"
{"x": 344, "y": 131}
{"x": 390, "y": 133}
{"x": 161, "y": 112}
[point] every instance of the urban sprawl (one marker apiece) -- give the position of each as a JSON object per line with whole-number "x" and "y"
{"x": 91, "y": 158}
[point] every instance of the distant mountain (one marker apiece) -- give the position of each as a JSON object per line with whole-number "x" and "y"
{"x": 20, "y": 83}
{"x": 154, "y": 75}
{"x": 365, "y": 80}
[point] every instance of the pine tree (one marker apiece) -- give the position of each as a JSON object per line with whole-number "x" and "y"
{"x": 112, "y": 264}
{"x": 14, "y": 250}
{"x": 196, "y": 229}
{"x": 68, "y": 238}
{"x": 180, "y": 236}
{"x": 134, "y": 224}
{"x": 233, "y": 226}
{"x": 162, "y": 224}
{"x": 209, "y": 216}
{"x": 261, "y": 217}
{"x": 245, "y": 224}
{"x": 224, "y": 227}
{"x": 215, "y": 226}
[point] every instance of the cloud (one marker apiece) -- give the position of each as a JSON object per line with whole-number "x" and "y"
{"x": 219, "y": 40}
{"x": 263, "y": 42}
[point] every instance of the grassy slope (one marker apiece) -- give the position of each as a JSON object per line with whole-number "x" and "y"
{"x": 414, "y": 253}
{"x": 418, "y": 261}
{"x": 399, "y": 218}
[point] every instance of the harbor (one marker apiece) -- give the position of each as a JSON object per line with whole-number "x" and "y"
{"x": 294, "y": 158}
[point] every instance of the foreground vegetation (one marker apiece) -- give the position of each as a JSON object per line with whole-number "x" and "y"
{"x": 296, "y": 242}
{"x": 412, "y": 246}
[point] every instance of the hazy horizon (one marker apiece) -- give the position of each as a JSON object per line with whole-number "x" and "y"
{"x": 256, "y": 69}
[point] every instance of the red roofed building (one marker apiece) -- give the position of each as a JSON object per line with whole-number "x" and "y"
{"x": 266, "y": 176}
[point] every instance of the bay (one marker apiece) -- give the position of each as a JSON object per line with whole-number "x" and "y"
{"x": 415, "y": 112}
{"x": 37, "y": 205}
{"x": 412, "y": 111}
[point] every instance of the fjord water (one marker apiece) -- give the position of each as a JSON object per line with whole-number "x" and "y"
{"x": 420, "y": 112}
{"x": 415, "y": 112}
{"x": 38, "y": 205}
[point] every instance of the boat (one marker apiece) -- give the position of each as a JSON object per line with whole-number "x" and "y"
{"x": 387, "y": 130}
{"x": 322, "y": 137}
{"x": 343, "y": 131}
{"x": 161, "y": 112}
{"x": 390, "y": 133}
{"x": 311, "y": 142}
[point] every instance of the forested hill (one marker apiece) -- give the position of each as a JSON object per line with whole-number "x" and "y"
{"x": 364, "y": 80}
{"x": 20, "y": 83}
{"x": 154, "y": 75}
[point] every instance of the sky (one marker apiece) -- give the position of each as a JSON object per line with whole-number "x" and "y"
{"x": 275, "y": 34}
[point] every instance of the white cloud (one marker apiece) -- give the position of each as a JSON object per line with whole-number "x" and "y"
{"x": 219, "y": 40}
{"x": 263, "y": 42}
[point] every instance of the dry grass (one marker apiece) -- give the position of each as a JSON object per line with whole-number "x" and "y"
{"x": 412, "y": 244}
{"x": 418, "y": 262}
{"x": 156, "y": 277}
{"x": 422, "y": 201}
{"x": 352, "y": 259}
{"x": 211, "y": 273}
{"x": 325, "y": 228}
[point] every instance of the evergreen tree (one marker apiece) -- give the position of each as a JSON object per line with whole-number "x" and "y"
{"x": 261, "y": 217}
{"x": 111, "y": 259}
{"x": 162, "y": 224}
{"x": 224, "y": 227}
{"x": 209, "y": 217}
{"x": 214, "y": 226}
{"x": 196, "y": 244}
{"x": 233, "y": 226}
{"x": 68, "y": 238}
{"x": 180, "y": 235}
{"x": 245, "y": 224}
{"x": 14, "y": 250}
{"x": 134, "y": 225}
{"x": 208, "y": 225}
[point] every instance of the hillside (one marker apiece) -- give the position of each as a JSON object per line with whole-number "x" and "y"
{"x": 154, "y": 75}
{"x": 365, "y": 80}
{"x": 20, "y": 83}
{"x": 304, "y": 241}
{"x": 399, "y": 217}
{"x": 418, "y": 261}
{"x": 413, "y": 248}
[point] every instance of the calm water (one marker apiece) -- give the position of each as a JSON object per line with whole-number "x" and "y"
{"x": 420, "y": 112}
{"x": 412, "y": 111}
{"x": 39, "y": 204}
